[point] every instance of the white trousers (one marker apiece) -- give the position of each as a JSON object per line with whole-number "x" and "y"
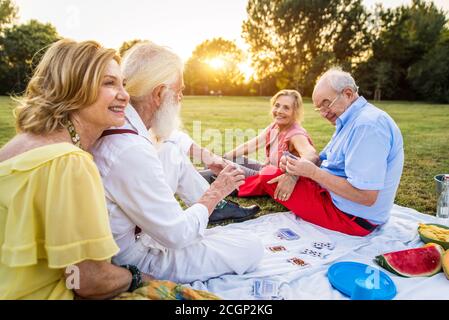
{"x": 219, "y": 252}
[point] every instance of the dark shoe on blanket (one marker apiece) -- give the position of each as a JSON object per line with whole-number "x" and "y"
{"x": 234, "y": 193}
{"x": 233, "y": 211}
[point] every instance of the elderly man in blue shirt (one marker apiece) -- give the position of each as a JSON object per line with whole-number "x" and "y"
{"x": 353, "y": 189}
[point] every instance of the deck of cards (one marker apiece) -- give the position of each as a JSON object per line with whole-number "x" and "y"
{"x": 291, "y": 155}
{"x": 287, "y": 234}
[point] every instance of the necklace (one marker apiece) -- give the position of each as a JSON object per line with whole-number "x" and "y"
{"x": 76, "y": 140}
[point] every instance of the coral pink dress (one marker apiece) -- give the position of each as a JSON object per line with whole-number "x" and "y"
{"x": 276, "y": 143}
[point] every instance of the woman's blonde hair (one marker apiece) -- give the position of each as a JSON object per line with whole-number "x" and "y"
{"x": 67, "y": 78}
{"x": 298, "y": 108}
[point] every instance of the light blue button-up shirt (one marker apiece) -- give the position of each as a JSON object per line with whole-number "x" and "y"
{"x": 366, "y": 149}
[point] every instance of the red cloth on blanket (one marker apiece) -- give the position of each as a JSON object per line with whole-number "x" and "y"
{"x": 309, "y": 201}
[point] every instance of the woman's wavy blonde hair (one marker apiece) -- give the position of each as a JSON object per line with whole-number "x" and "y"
{"x": 67, "y": 78}
{"x": 298, "y": 108}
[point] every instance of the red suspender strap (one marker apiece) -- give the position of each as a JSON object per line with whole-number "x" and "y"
{"x": 117, "y": 131}
{"x": 121, "y": 131}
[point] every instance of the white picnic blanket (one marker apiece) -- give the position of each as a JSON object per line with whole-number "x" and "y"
{"x": 311, "y": 282}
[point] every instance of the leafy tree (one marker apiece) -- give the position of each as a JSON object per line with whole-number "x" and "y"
{"x": 22, "y": 45}
{"x": 407, "y": 34}
{"x": 429, "y": 77}
{"x": 295, "y": 41}
{"x": 214, "y": 66}
{"x": 8, "y": 13}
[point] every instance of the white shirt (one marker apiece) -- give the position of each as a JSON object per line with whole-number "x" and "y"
{"x": 137, "y": 192}
{"x": 182, "y": 139}
{"x": 178, "y": 137}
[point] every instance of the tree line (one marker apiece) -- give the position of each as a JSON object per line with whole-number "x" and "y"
{"x": 394, "y": 53}
{"x": 399, "y": 53}
{"x": 21, "y": 46}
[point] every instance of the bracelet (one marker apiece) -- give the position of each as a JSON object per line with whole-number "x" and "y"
{"x": 136, "y": 281}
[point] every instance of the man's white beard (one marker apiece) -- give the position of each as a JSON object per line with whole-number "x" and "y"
{"x": 167, "y": 119}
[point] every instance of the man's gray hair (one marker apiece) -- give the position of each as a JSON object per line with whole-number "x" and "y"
{"x": 338, "y": 80}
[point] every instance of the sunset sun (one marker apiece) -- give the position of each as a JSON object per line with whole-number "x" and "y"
{"x": 247, "y": 70}
{"x": 216, "y": 63}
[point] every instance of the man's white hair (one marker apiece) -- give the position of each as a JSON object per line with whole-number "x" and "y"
{"x": 147, "y": 65}
{"x": 338, "y": 80}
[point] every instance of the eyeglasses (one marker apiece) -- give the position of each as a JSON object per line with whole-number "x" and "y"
{"x": 326, "y": 105}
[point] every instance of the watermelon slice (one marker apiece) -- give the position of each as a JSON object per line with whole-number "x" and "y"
{"x": 418, "y": 262}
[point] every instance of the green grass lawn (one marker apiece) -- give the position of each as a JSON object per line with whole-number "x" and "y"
{"x": 6, "y": 120}
{"x": 425, "y": 128}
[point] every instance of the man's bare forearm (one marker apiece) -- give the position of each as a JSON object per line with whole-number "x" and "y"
{"x": 343, "y": 188}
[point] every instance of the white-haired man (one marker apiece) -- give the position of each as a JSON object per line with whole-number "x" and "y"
{"x": 140, "y": 183}
{"x": 353, "y": 189}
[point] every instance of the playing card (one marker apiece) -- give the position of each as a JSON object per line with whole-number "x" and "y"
{"x": 256, "y": 288}
{"x": 265, "y": 288}
{"x": 321, "y": 245}
{"x": 298, "y": 262}
{"x": 288, "y": 154}
{"x": 277, "y": 248}
{"x": 314, "y": 253}
{"x": 287, "y": 234}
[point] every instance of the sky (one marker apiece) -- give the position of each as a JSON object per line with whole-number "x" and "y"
{"x": 178, "y": 24}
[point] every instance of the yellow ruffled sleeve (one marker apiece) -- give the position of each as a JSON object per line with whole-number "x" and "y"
{"x": 59, "y": 215}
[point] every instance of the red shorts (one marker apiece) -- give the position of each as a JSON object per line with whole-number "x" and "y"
{"x": 309, "y": 201}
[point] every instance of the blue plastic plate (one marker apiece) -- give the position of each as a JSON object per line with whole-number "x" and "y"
{"x": 342, "y": 276}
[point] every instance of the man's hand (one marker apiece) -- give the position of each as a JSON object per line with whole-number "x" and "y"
{"x": 286, "y": 184}
{"x": 230, "y": 178}
{"x": 300, "y": 167}
{"x": 217, "y": 165}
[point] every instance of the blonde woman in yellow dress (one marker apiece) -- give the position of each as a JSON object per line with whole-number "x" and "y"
{"x": 52, "y": 206}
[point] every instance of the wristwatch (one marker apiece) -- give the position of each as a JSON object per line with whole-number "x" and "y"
{"x": 136, "y": 281}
